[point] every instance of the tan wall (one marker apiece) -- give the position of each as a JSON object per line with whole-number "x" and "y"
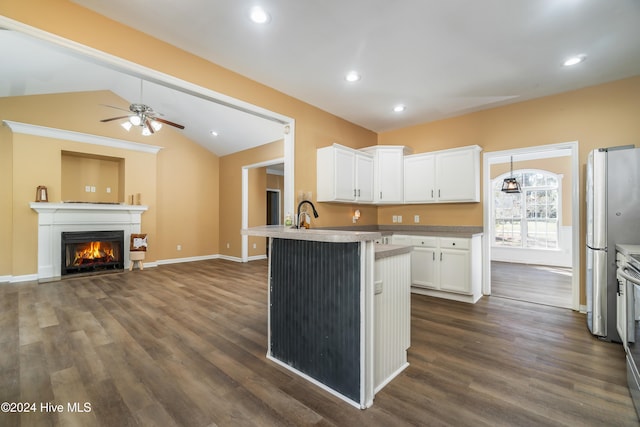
{"x": 258, "y": 211}
{"x": 314, "y": 128}
{"x": 6, "y": 201}
{"x": 81, "y": 171}
{"x": 179, "y": 184}
{"x": 599, "y": 116}
{"x": 231, "y": 197}
{"x": 557, "y": 165}
{"x": 603, "y": 115}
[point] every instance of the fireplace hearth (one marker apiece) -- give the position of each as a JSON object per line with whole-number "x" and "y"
{"x": 91, "y": 251}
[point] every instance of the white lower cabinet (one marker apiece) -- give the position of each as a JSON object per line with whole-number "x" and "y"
{"x": 446, "y": 267}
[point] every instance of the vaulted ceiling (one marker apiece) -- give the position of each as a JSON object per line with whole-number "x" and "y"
{"x": 437, "y": 58}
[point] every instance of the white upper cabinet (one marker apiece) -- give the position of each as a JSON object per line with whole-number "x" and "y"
{"x": 458, "y": 175}
{"x": 344, "y": 175}
{"x": 443, "y": 176}
{"x": 420, "y": 178}
{"x": 388, "y": 172}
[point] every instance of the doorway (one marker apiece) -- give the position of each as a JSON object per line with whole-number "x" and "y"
{"x": 276, "y": 167}
{"x": 525, "y": 268}
{"x": 273, "y": 207}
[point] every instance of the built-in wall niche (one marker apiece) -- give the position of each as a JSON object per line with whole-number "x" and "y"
{"x": 92, "y": 178}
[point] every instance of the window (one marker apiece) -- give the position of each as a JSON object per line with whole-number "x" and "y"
{"x": 528, "y": 219}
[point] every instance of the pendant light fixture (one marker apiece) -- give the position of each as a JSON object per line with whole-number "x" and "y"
{"x": 510, "y": 185}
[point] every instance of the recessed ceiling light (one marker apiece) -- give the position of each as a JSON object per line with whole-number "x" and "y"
{"x": 399, "y": 108}
{"x": 352, "y": 76}
{"x": 259, "y": 15}
{"x": 213, "y": 133}
{"x": 574, "y": 60}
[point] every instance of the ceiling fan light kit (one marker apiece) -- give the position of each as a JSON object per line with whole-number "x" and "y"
{"x": 143, "y": 116}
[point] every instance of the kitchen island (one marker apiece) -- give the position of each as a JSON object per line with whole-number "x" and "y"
{"x": 335, "y": 311}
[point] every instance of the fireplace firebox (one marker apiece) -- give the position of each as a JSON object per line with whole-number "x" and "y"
{"x": 92, "y": 251}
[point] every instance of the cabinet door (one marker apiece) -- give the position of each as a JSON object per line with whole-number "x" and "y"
{"x": 424, "y": 267}
{"x": 364, "y": 178}
{"x": 344, "y": 163}
{"x": 389, "y": 176}
{"x": 455, "y": 271}
{"x": 457, "y": 176}
{"x": 419, "y": 178}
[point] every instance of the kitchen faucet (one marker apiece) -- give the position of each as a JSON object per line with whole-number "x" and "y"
{"x": 315, "y": 213}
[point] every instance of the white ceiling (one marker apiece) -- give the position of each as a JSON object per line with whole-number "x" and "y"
{"x": 439, "y": 58}
{"x": 52, "y": 69}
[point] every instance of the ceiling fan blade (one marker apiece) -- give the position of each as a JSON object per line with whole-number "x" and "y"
{"x": 167, "y": 122}
{"x": 117, "y": 108}
{"x": 148, "y": 125}
{"x": 114, "y": 118}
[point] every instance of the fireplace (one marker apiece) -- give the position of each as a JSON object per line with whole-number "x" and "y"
{"x": 91, "y": 251}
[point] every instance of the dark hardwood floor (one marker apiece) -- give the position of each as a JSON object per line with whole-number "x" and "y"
{"x": 185, "y": 345}
{"x": 539, "y": 284}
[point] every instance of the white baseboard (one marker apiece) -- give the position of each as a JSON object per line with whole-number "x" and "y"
{"x": 237, "y": 259}
{"x": 186, "y": 259}
{"x": 34, "y": 277}
{"x": 230, "y": 258}
{"x": 19, "y": 279}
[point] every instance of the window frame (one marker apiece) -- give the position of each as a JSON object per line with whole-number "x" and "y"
{"x": 496, "y": 185}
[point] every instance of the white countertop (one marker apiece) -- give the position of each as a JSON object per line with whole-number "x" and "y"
{"x": 387, "y": 251}
{"x": 315, "y": 234}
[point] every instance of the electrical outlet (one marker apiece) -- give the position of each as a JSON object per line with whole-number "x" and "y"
{"x": 93, "y": 189}
{"x": 254, "y": 246}
{"x": 108, "y": 190}
{"x": 399, "y": 218}
{"x": 179, "y": 247}
{"x": 394, "y": 218}
{"x": 87, "y": 189}
{"x": 416, "y": 219}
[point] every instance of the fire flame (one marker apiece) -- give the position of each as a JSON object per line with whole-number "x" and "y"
{"x": 93, "y": 251}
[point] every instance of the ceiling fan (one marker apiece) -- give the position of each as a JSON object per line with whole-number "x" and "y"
{"x": 142, "y": 115}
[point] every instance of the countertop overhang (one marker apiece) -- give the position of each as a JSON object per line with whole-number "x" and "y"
{"x": 313, "y": 234}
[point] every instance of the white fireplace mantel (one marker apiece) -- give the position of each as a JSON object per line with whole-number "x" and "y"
{"x": 56, "y": 218}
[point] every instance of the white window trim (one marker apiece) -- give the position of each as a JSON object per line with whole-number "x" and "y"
{"x": 523, "y": 228}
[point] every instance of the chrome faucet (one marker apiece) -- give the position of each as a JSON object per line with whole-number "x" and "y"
{"x": 315, "y": 213}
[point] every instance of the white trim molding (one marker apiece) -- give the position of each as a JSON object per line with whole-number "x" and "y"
{"x": 543, "y": 151}
{"x": 69, "y": 135}
{"x": 55, "y": 218}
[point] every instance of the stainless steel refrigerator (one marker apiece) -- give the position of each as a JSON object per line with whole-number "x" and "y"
{"x": 613, "y": 216}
